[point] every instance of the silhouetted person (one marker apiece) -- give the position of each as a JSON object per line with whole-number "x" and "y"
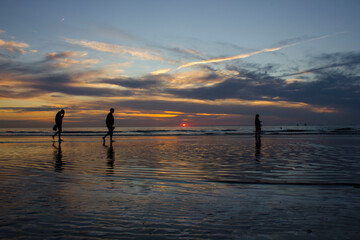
{"x": 257, "y": 127}
{"x": 110, "y": 125}
{"x": 58, "y": 123}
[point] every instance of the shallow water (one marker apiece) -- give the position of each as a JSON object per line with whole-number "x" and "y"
{"x": 181, "y": 187}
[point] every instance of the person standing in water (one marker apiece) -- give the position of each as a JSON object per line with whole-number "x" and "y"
{"x": 58, "y": 123}
{"x": 257, "y": 127}
{"x": 110, "y": 125}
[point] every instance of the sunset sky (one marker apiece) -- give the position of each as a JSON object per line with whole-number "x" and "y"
{"x": 162, "y": 63}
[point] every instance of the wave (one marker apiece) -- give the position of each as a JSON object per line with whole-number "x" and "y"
{"x": 188, "y": 131}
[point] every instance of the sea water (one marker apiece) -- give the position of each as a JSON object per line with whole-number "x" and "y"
{"x": 176, "y": 131}
{"x": 289, "y": 185}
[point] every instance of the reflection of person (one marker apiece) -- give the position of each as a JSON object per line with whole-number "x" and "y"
{"x": 58, "y": 158}
{"x": 110, "y": 157}
{"x": 257, "y": 149}
{"x": 58, "y": 123}
{"x": 257, "y": 127}
{"x": 110, "y": 125}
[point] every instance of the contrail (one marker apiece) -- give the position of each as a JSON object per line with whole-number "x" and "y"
{"x": 215, "y": 60}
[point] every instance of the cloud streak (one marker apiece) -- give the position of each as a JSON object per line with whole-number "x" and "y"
{"x": 144, "y": 54}
{"x": 246, "y": 55}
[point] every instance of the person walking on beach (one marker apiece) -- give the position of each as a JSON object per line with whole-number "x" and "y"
{"x": 58, "y": 123}
{"x": 257, "y": 127}
{"x": 110, "y": 125}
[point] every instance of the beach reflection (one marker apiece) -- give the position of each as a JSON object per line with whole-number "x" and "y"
{"x": 59, "y": 165}
{"x": 181, "y": 187}
{"x": 110, "y": 157}
{"x": 257, "y": 149}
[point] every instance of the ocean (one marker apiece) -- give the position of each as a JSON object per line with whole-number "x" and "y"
{"x": 179, "y": 131}
{"x": 297, "y": 182}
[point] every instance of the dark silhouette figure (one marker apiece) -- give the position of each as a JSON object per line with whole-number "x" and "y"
{"x": 110, "y": 125}
{"x": 58, "y": 123}
{"x": 257, "y": 128}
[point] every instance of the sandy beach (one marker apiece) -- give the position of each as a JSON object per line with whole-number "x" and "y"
{"x": 180, "y": 187}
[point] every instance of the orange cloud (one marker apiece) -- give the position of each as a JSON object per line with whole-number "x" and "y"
{"x": 161, "y": 71}
{"x": 63, "y": 63}
{"x": 64, "y": 59}
{"x": 12, "y": 46}
{"x": 114, "y": 48}
{"x": 150, "y": 115}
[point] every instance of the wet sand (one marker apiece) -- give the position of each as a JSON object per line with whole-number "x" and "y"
{"x": 188, "y": 187}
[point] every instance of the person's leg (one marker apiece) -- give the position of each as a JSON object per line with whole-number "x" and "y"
{"x": 107, "y": 134}
{"x": 59, "y": 132}
{"x": 111, "y": 134}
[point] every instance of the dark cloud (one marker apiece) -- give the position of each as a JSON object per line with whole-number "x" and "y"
{"x": 14, "y": 67}
{"x": 336, "y": 85}
{"x": 134, "y": 83}
{"x": 37, "y": 79}
{"x": 245, "y": 86}
{"x": 61, "y": 83}
{"x": 348, "y": 61}
{"x": 31, "y": 109}
{"x": 9, "y": 93}
{"x": 55, "y": 56}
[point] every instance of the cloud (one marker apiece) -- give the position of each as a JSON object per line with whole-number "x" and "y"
{"x": 1, "y": 31}
{"x": 240, "y": 56}
{"x": 187, "y": 52}
{"x": 330, "y": 90}
{"x": 14, "y": 47}
{"x": 144, "y": 54}
{"x": 66, "y": 54}
{"x": 223, "y": 59}
{"x": 133, "y": 83}
{"x": 66, "y": 84}
{"x": 43, "y": 108}
{"x": 205, "y": 94}
{"x": 347, "y": 60}
{"x": 161, "y": 71}
{"x": 21, "y": 81}
{"x": 64, "y": 59}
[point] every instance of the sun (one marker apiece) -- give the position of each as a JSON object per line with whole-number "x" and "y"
{"x": 184, "y": 124}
